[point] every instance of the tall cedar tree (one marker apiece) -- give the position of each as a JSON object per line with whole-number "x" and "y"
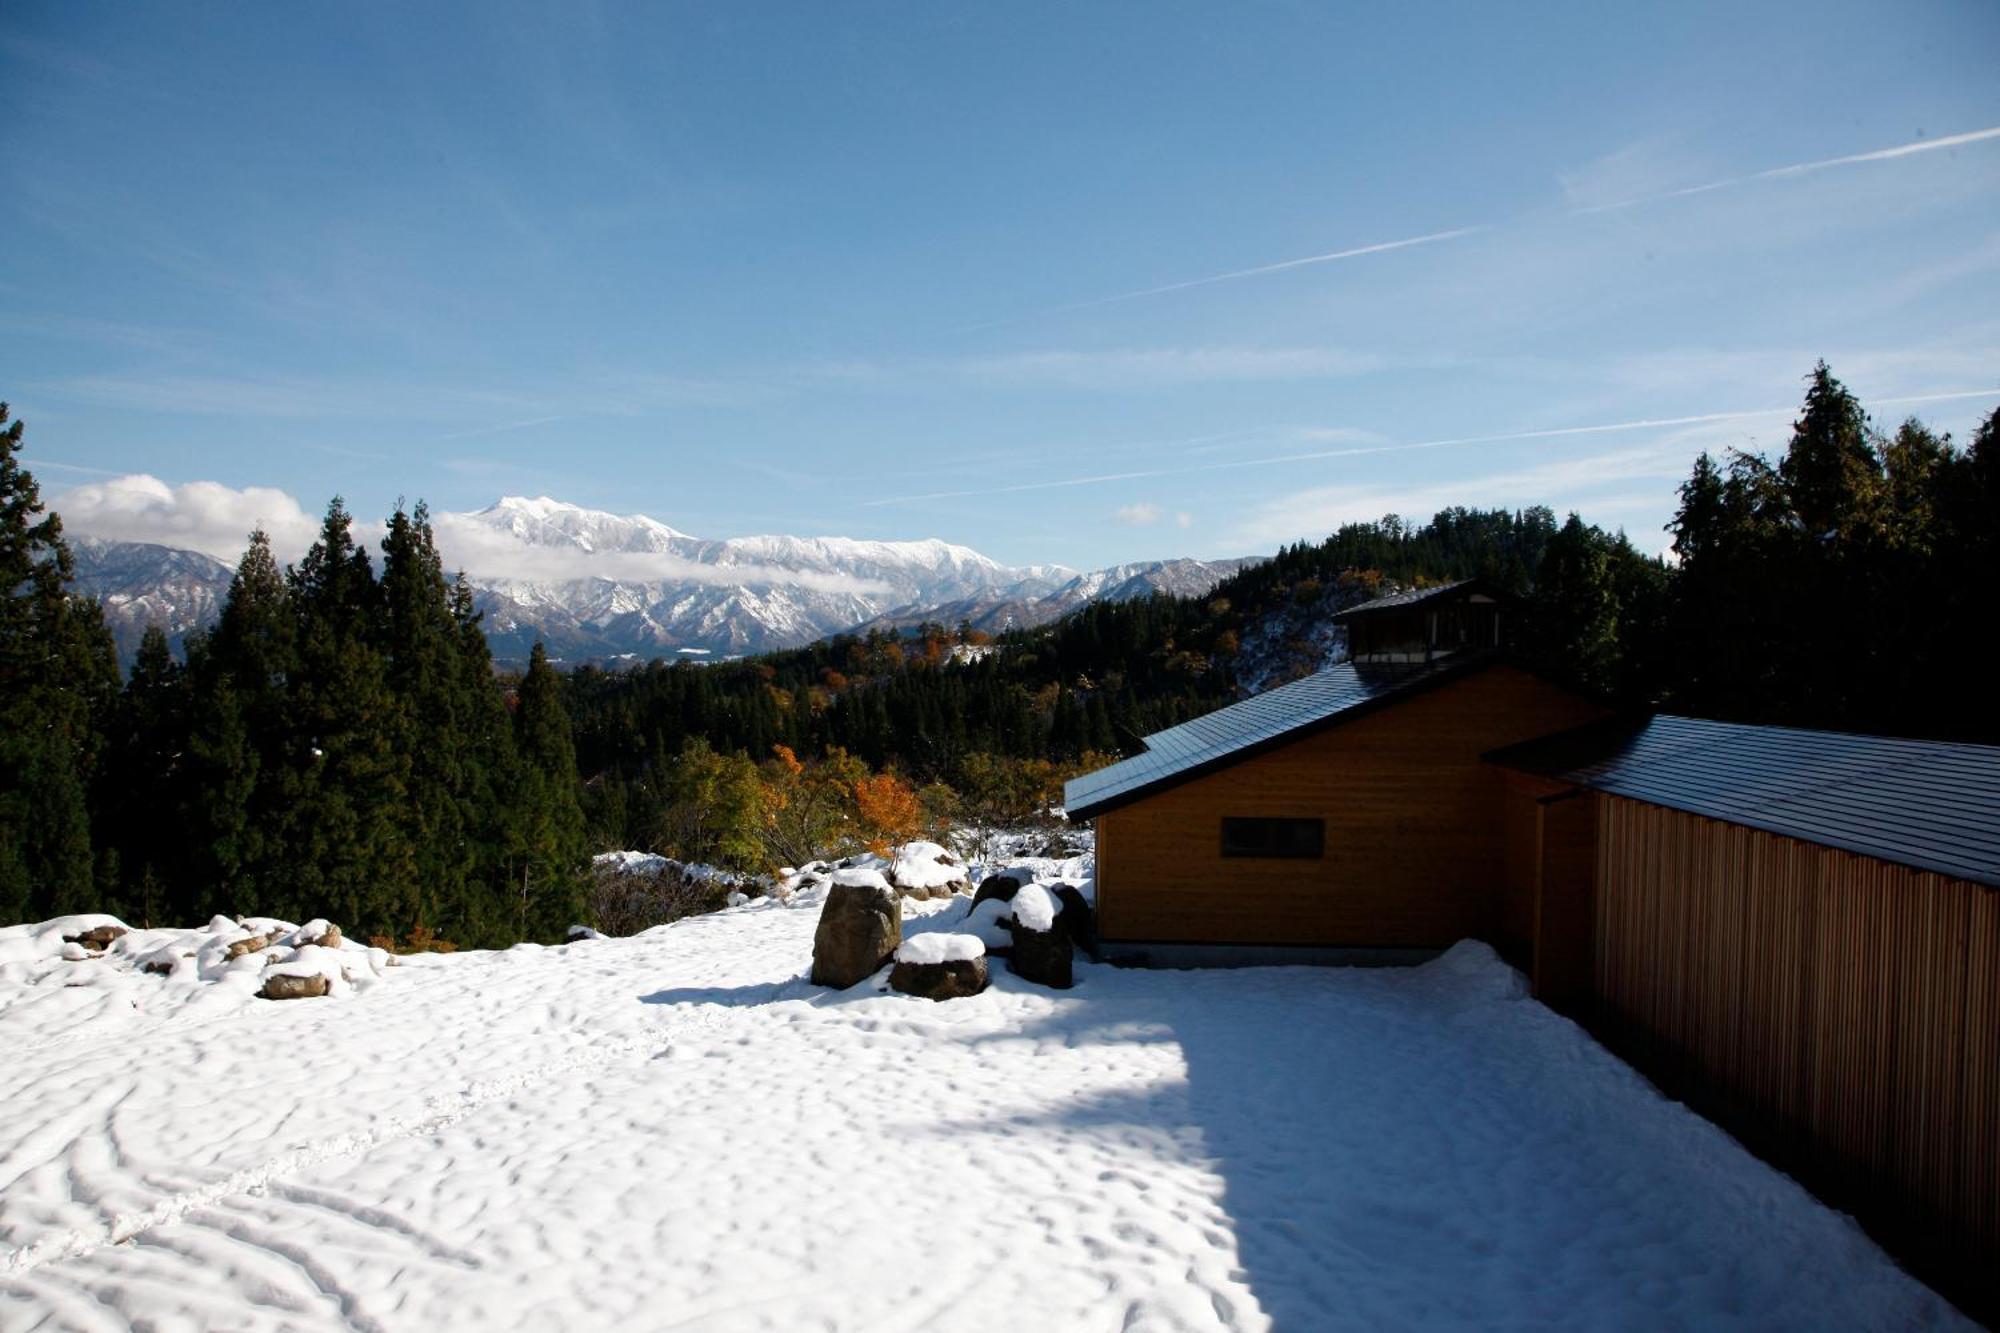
{"x": 347, "y": 776}
{"x": 143, "y": 776}
{"x": 489, "y": 800}
{"x": 422, "y": 645}
{"x": 549, "y": 831}
{"x": 236, "y": 790}
{"x": 58, "y": 680}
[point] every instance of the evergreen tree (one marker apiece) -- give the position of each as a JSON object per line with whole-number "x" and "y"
{"x": 347, "y": 775}
{"x": 423, "y": 673}
{"x": 1573, "y": 617}
{"x": 489, "y": 799}
{"x": 549, "y": 832}
{"x": 1830, "y": 471}
{"x": 237, "y": 788}
{"x": 145, "y": 772}
{"x": 58, "y": 677}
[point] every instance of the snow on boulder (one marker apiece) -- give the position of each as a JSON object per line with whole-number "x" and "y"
{"x": 1034, "y": 908}
{"x": 938, "y": 946}
{"x": 860, "y": 877}
{"x": 939, "y": 966}
{"x": 926, "y": 870}
{"x": 1042, "y": 950}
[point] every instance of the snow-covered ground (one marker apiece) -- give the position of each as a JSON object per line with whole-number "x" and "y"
{"x": 675, "y": 1131}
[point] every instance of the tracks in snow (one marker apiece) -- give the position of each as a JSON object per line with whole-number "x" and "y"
{"x": 440, "y": 1113}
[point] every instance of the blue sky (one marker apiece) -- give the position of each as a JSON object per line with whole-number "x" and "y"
{"x": 891, "y": 271}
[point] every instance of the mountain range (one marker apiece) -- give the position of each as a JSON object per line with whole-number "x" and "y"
{"x": 601, "y": 587}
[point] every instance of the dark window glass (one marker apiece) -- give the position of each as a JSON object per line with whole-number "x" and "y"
{"x": 1299, "y": 839}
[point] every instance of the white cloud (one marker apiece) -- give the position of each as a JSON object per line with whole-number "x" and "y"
{"x": 1183, "y": 519}
{"x": 198, "y": 516}
{"x": 1137, "y": 515}
{"x": 215, "y": 519}
{"x": 489, "y": 554}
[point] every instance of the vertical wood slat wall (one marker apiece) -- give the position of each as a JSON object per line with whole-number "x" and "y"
{"x": 1840, "y": 1014}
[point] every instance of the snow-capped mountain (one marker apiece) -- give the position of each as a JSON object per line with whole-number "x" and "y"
{"x": 141, "y": 584}
{"x": 1032, "y": 602}
{"x": 596, "y": 586}
{"x": 593, "y": 585}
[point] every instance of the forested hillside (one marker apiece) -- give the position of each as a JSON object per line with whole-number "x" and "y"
{"x": 339, "y": 743}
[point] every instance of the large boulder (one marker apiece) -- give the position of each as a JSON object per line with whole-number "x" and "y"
{"x": 282, "y": 986}
{"x": 949, "y": 980}
{"x": 1042, "y": 949}
{"x": 1078, "y": 917}
{"x": 859, "y": 928}
{"x": 97, "y": 939}
{"x": 1001, "y": 887}
{"x": 938, "y": 966}
{"x": 250, "y": 944}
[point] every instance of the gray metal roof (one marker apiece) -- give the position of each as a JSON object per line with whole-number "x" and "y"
{"x": 1931, "y": 805}
{"x": 1229, "y": 734}
{"x": 1463, "y": 587}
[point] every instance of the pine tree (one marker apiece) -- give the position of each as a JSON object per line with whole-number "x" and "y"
{"x": 58, "y": 677}
{"x": 549, "y": 831}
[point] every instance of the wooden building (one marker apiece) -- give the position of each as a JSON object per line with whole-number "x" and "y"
{"x": 1796, "y": 931}
{"x": 1799, "y": 933}
{"x": 1348, "y": 811}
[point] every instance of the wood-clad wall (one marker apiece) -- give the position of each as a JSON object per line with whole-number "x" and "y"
{"x": 1415, "y": 842}
{"x": 1840, "y": 1014}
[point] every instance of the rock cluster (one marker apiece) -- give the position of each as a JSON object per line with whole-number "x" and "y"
{"x": 919, "y": 870}
{"x": 258, "y": 956}
{"x": 1045, "y": 925}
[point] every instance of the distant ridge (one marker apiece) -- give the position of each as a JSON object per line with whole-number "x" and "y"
{"x": 602, "y": 587}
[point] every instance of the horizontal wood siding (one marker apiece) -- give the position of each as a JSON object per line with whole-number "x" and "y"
{"x": 1415, "y": 848}
{"x": 1839, "y": 1013}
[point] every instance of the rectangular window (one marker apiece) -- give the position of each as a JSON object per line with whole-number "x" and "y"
{"x": 1293, "y": 839}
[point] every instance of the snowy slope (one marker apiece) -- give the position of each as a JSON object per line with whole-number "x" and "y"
{"x": 675, "y": 1131}
{"x": 1037, "y": 602}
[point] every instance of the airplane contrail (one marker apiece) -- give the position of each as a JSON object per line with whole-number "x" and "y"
{"x": 1455, "y": 233}
{"x": 1805, "y": 168}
